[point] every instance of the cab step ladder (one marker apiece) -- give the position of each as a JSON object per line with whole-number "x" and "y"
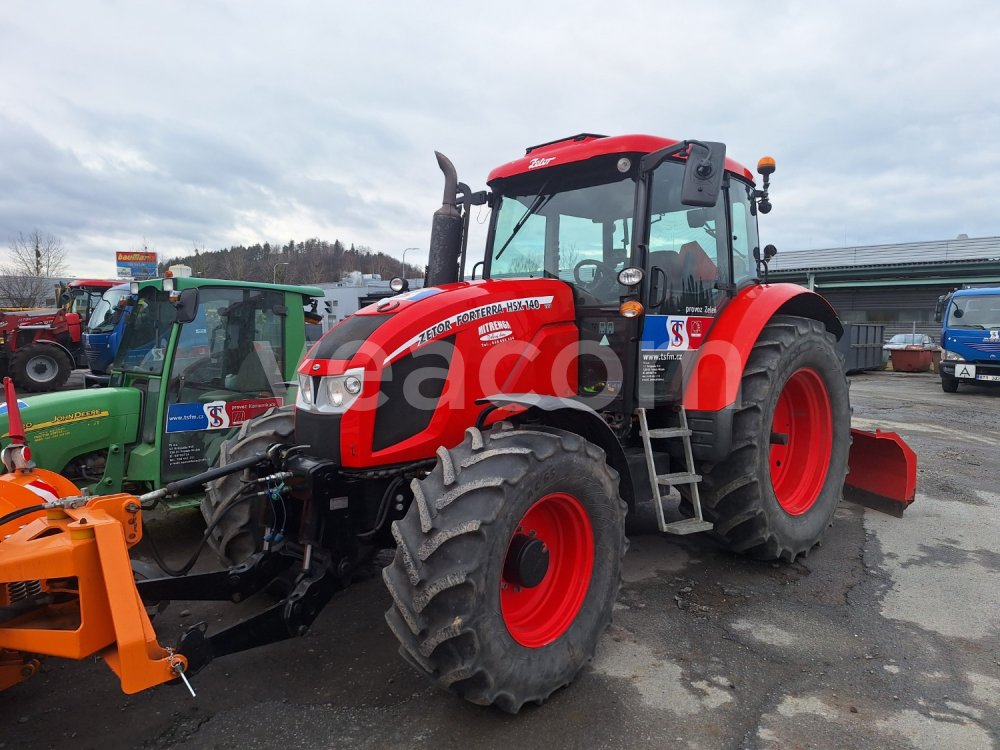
{"x": 688, "y": 525}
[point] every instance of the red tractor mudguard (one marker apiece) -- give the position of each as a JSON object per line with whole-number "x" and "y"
{"x": 882, "y": 464}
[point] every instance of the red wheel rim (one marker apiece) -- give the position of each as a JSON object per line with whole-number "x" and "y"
{"x": 539, "y": 615}
{"x": 801, "y": 442}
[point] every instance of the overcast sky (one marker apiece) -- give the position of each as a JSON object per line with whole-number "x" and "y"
{"x": 207, "y": 124}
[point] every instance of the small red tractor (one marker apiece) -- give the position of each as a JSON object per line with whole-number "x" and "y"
{"x": 621, "y": 338}
{"x": 40, "y": 348}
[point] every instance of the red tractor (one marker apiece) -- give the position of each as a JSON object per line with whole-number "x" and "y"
{"x": 40, "y": 348}
{"x": 621, "y": 338}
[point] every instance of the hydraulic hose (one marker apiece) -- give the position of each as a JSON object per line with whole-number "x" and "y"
{"x": 20, "y": 512}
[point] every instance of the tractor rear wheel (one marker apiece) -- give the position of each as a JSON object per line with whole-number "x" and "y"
{"x": 40, "y": 368}
{"x": 508, "y": 564}
{"x": 776, "y": 492}
{"x": 239, "y": 533}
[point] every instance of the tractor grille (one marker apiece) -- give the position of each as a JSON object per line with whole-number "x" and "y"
{"x": 411, "y": 389}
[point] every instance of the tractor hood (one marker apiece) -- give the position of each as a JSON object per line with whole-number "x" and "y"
{"x": 402, "y": 376}
{"x": 63, "y": 425}
{"x": 387, "y": 330}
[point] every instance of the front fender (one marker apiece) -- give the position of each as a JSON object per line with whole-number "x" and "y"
{"x": 714, "y": 379}
{"x": 572, "y": 416}
{"x": 57, "y": 345}
{"x": 63, "y": 425}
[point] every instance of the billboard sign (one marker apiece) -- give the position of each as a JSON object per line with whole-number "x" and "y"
{"x": 136, "y": 265}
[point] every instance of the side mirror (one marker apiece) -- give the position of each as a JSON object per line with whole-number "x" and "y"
{"x": 941, "y": 306}
{"x": 703, "y": 172}
{"x": 187, "y": 306}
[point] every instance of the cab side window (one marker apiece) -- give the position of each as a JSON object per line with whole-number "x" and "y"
{"x": 743, "y": 218}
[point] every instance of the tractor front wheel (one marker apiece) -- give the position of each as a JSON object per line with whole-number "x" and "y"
{"x": 240, "y": 530}
{"x": 776, "y": 492}
{"x": 40, "y": 368}
{"x": 949, "y": 385}
{"x": 508, "y": 564}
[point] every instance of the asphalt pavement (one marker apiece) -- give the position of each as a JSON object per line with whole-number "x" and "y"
{"x": 886, "y": 636}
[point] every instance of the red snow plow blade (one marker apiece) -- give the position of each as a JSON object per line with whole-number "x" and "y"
{"x": 882, "y": 464}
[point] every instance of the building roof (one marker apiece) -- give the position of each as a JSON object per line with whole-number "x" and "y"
{"x": 902, "y": 254}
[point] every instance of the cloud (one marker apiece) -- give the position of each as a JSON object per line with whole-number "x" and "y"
{"x": 213, "y": 123}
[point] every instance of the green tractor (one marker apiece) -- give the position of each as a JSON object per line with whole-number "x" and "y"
{"x": 198, "y": 358}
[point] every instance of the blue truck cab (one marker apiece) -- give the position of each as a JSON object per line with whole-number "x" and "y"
{"x": 104, "y": 332}
{"x": 970, "y": 337}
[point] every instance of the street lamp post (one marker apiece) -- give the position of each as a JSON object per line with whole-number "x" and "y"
{"x": 404, "y": 258}
{"x": 274, "y": 276}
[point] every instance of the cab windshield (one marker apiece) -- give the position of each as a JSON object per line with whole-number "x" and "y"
{"x": 147, "y": 333}
{"x": 575, "y": 226}
{"x": 108, "y": 311}
{"x": 975, "y": 311}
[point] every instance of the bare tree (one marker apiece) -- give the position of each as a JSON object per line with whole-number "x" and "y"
{"x": 34, "y": 260}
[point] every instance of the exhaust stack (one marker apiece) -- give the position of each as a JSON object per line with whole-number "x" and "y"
{"x": 446, "y": 230}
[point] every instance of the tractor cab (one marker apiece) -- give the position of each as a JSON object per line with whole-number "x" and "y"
{"x": 650, "y": 260}
{"x": 213, "y": 355}
{"x": 81, "y": 297}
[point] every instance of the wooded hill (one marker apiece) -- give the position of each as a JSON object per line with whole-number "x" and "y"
{"x": 311, "y": 262}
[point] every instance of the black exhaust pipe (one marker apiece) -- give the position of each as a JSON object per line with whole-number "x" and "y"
{"x": 446, "y": 230}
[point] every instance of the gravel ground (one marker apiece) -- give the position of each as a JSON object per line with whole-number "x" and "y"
{"x": 886, "y": 636}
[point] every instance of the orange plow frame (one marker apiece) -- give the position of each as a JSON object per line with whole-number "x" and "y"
{"x": 98, "y": 613}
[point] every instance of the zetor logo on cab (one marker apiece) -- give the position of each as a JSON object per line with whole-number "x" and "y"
{"x": 494, "y": 331}
{"x": 540, "y": 162}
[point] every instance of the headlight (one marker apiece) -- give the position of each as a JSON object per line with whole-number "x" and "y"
{"x": 334, "y": 393}
{"x": 951, "y": 356}
{"x": 630, "y": 276}
{"x": 305, "y": 388}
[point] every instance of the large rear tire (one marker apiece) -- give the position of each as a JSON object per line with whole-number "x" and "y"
{"x": 40, "y": 368}
{"x": 508, "y": 564}
{"x": 776, "y": 492}
{"x": 239, "y": 533}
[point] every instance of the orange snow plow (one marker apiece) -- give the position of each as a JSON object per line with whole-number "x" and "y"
{"x": 883, "y": 465}
{"x": 66, "y": 584}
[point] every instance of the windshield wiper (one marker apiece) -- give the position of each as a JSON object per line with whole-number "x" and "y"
{"x": 535, "y": 207}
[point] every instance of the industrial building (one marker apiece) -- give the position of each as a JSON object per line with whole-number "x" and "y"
{"x": 898, "y": 285}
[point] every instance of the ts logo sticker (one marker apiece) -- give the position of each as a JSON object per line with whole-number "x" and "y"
{"x": 217, "y": 415}
{"x": 678, "y": 333}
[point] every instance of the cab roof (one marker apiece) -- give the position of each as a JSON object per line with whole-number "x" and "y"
{"x": 193, "y": 282}
{"x": 588, "y": 145}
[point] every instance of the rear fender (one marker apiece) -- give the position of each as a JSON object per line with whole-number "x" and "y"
{"x": 713, "y": 381}
{"x": 564, "y": 414}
